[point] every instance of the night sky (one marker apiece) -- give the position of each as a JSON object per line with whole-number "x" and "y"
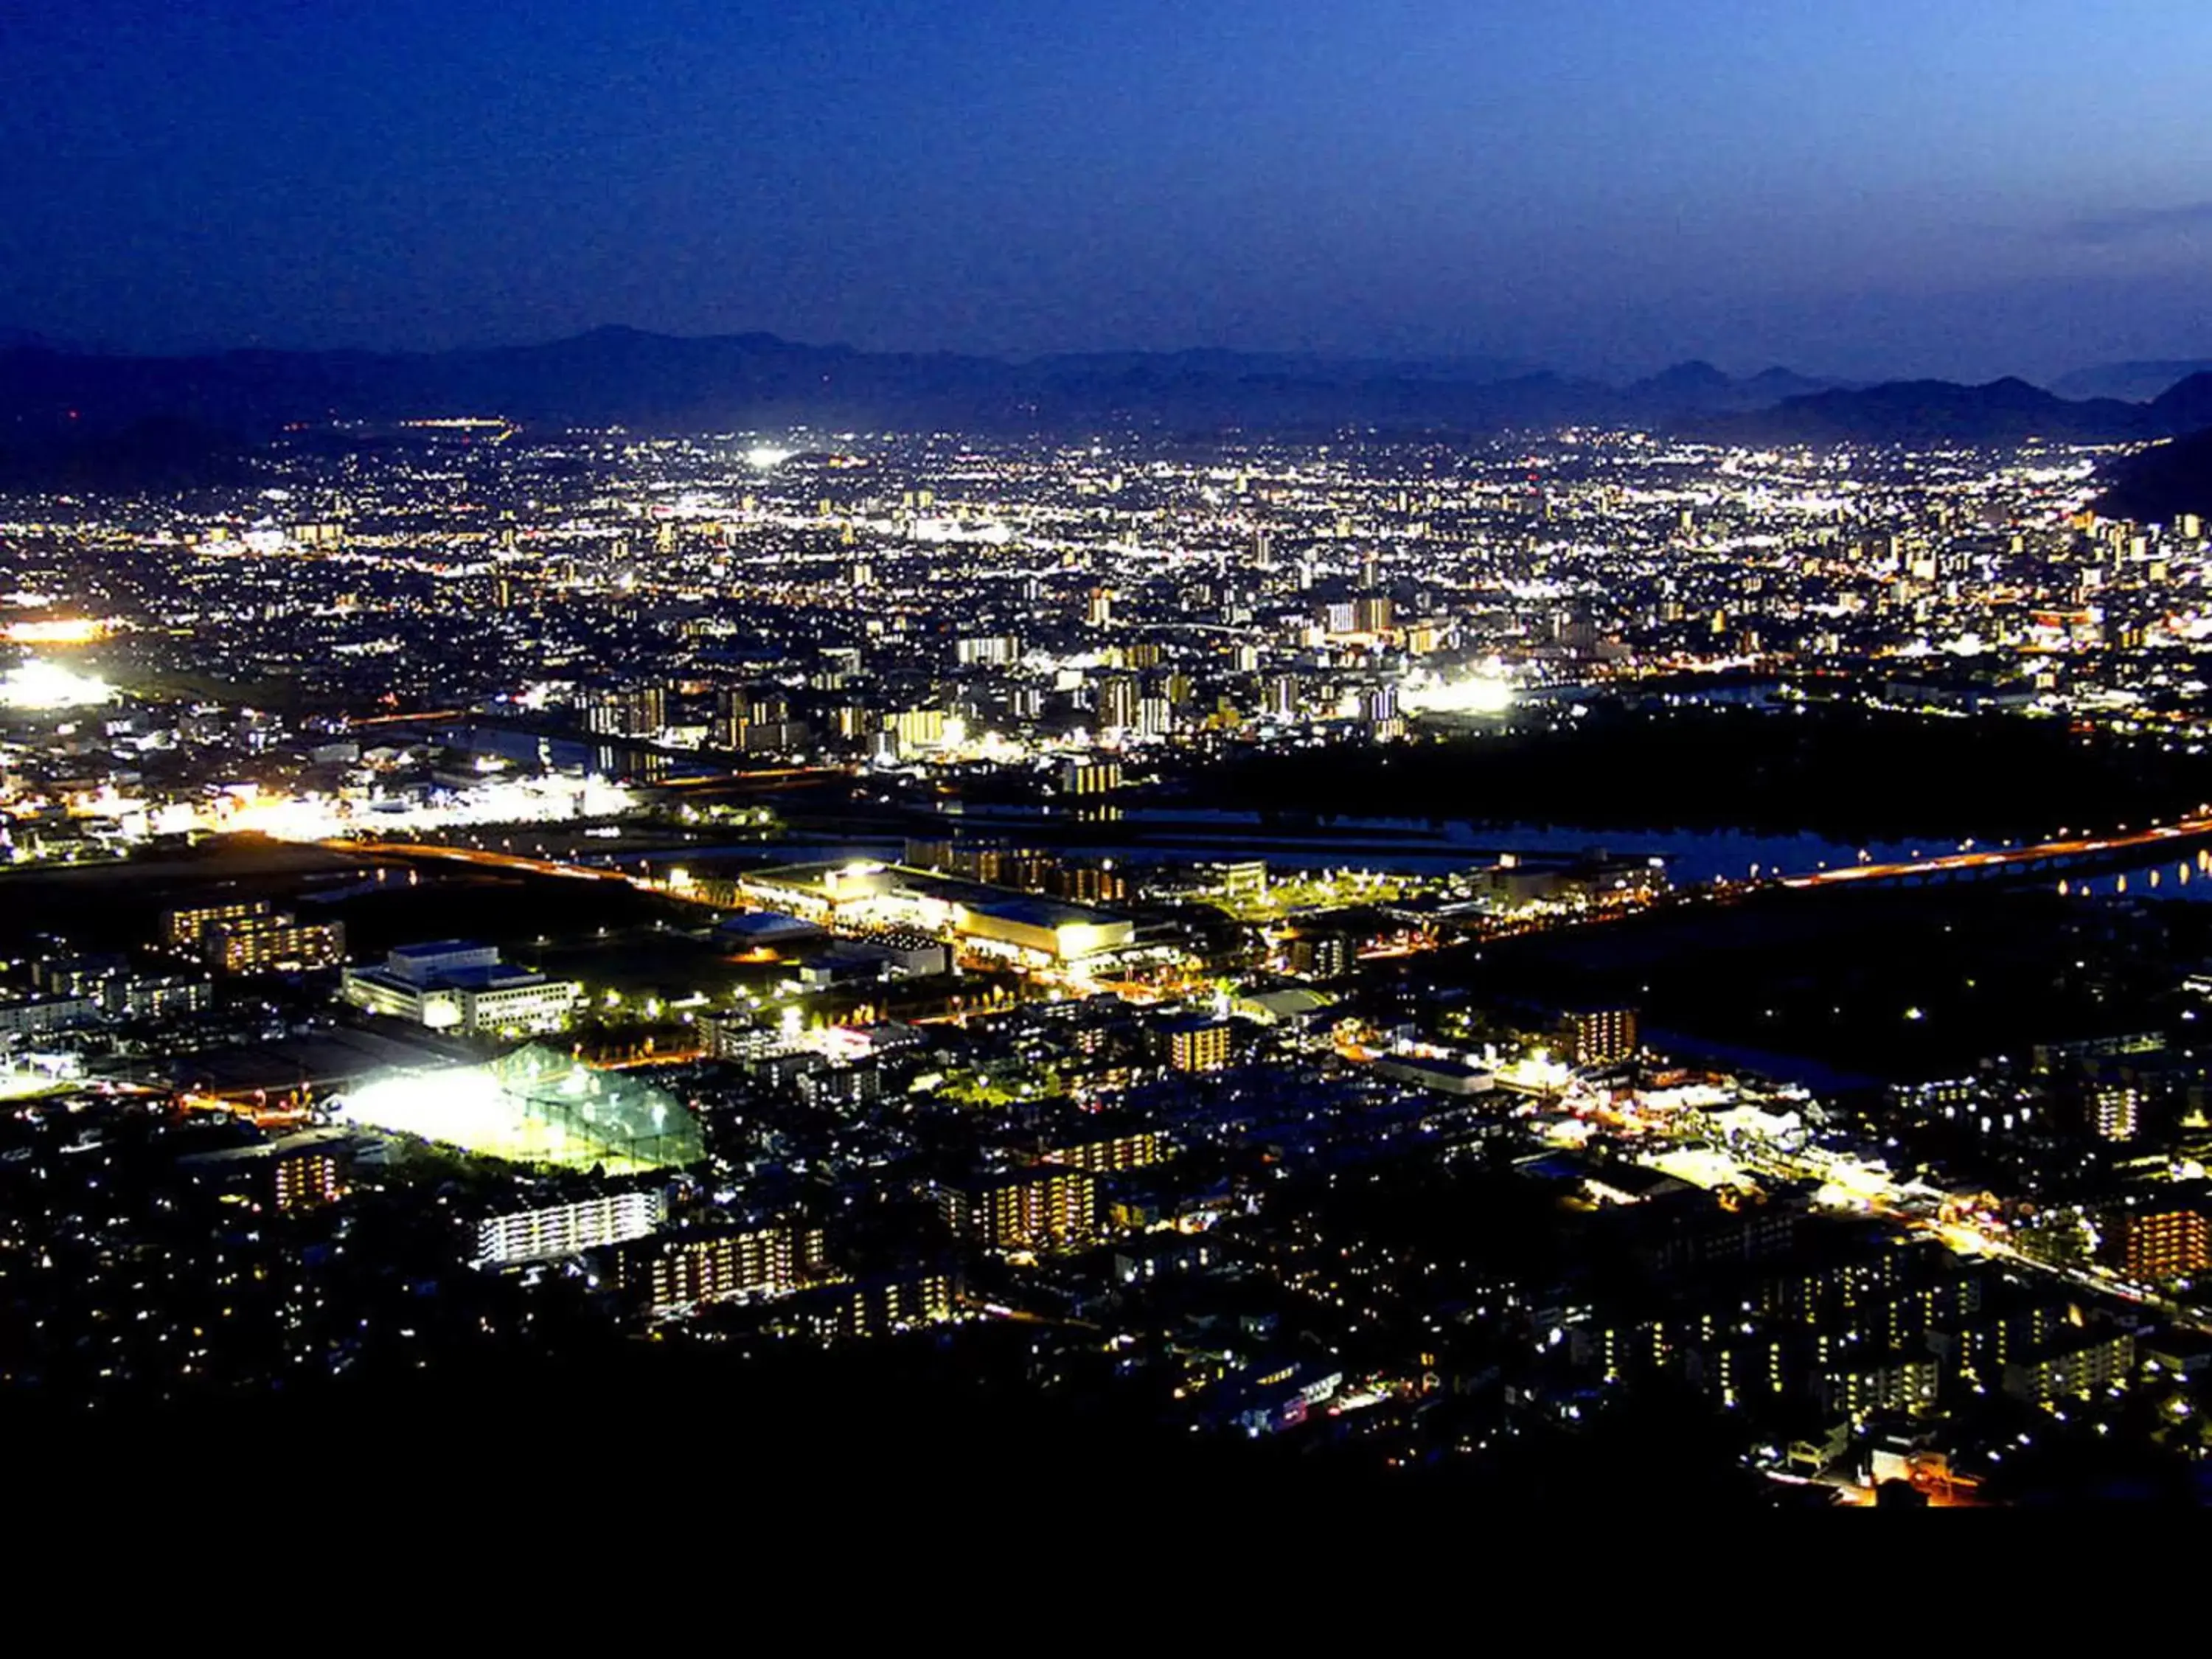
{"x": 1964, "y": 187}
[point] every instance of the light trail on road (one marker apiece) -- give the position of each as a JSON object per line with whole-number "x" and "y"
{"x": 2000, "y": 858}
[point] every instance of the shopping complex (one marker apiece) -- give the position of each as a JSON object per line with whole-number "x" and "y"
{"x": 992, "y": 921}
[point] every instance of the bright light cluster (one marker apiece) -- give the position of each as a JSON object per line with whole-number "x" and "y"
{"x": 514, "y": 800}
{"x": 1477, "y": 694}
{"x": 77, "y": 630}
{"x": 32, "y": 684}
{"x": 469, "y": 1108}
{"x": 465, "y": 1107}
{"x": 534, "y": 1106}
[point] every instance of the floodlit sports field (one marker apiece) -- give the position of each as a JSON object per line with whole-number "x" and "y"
{"x": 533, "y": 1106}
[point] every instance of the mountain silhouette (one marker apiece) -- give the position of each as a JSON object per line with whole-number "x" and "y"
{"x": 1941, "y": 412}
{"x": 2135, "y": 382}
{"x": 629, "y": 378}
{"x": 2159, "y": 484}
{"x": 626, "y": 377}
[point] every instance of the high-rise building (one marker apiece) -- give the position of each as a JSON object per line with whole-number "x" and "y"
{"x": 1041, "y": 1208}
{"x": 303, "y": 1177}
{"x": 756, "y": 721}
{"x": 1242, "y": 880}
{"x": 2165, "y": 1243}
{"x": 872, "y": 1307}
{"x": 1319, "y": 956}
{"x": 2077, "y": 1364}
{"x": 2115, "y": 1111}
{"x": 988, "y": 650}
{"x": 1095, "y": 777}
{"x": 1597, "y": 1037}
{"x": 1117, "y": 703}
{"x": 630, "y": 711}
{"x": 916, "y": 728}
{"x": 298, "y": 1172}
{"x": 1197, "y": 1044}
{"x": 1098, "y": 609}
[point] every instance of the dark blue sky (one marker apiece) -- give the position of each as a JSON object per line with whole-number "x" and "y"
{"x": 1856, "y": 186}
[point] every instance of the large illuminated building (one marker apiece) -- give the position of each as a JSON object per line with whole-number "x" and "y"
{"x": 1041, "y": 1208}
{"x": 249, "y": 938}
{"x": 182, "y": 929}
{"x": 1198, "y": 1044}
{"x": 274, "y": 944}
{"x": 893, "y": 1302}
{"x": 534, "y": 1106}
{"x": 1022, "y": 924}
{"x": 1106, "y": 1153}
{"x": 635, "y": 711}
{"x": 546, "y": 1232}
{"x": 719, "y": 1264}
{"x": 461, "y": 986}
{"x": 1597, "y": 1037}
{"x": 2162, "y": 1243}
{"x": 298, "y": 1172}
{"x": 996, "y": 921}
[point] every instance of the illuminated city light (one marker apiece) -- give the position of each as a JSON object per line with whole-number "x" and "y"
{"x": 533, "y": 1106}
{"x": 500, "y": 802}
{"x": 876, "y": 641}
{"x": 82, "y": 631}
{"x": 1477, "y": 694}
{"x": 33, "y": 685}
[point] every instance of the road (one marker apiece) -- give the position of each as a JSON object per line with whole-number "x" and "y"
{"x": 481, "y": 858}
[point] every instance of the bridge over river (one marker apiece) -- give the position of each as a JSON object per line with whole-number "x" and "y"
{"x": 2085, "y": 855}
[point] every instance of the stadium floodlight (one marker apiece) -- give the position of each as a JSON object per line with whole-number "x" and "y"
{"x": 36, "y": 685}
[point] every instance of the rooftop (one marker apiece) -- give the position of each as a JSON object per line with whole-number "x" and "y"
{"x": 438, "y": 947}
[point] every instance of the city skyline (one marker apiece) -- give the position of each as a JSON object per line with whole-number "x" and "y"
{"x": 668, "y": 908}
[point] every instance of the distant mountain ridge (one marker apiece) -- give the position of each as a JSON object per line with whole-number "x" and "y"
{"x": 618, "y": 376}
{"x": 2007, "y": 411}
{"x": 2137, "y": 382}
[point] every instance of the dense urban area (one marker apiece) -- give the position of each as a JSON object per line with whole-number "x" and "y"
{"x": 1526, "y": 965}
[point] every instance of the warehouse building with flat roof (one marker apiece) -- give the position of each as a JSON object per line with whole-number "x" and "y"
{"x": 863, "y": 895}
